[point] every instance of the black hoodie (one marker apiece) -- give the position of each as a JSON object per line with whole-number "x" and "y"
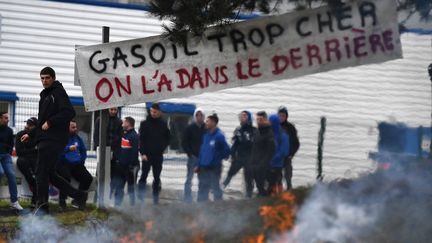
{"x": 263, "y": 147}
{"x": 56, "y": 109}
{"x": 154, "y": 136}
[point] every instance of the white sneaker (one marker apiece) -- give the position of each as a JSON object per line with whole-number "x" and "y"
{"x": 16, "y": 205}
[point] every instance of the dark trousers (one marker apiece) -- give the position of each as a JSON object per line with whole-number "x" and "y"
{"x": 275, "y": 180}
{"x": 209, "y": 179}
{"x": 123, "y": 175}
{"x": 27, "y": 167}
{"x": 154, "y": 163}
{"x": 260, "y": 177}
{"x": 234, "y": 168}
{"x": 48, "y": 155}
{"x": 288, "y": 172}
{"x": 249, "y": 179}
{"x": 77, "y": 172}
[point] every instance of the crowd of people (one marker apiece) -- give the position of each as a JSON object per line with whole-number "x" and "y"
{"x": 50, "y": 151}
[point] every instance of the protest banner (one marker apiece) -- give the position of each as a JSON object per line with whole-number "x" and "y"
{"x": 244, "y": 53}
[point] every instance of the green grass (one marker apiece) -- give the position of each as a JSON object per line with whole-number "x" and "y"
{"x": 9, "y": 221}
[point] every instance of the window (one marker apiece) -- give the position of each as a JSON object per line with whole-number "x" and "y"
{"x": 83, "y": 119}
{"x": 177, "y": 115}
{"x": 7, "y": 104}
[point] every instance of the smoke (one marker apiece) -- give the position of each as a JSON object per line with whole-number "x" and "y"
{"x": 385, "y": 206}
{"x": 47, "y": 229}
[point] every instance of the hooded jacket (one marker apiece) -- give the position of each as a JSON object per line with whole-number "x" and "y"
{"x": 6, "y": 140}
{"x": 113, "y": 135}
{"x": 25, "y": 150}
{"x": 282, "y": 143}
{"x": 294, "y": 143}
{"x": 129, "y": 149}
{"x": 242, "y": 140}
{"x": 193, "y": 136}
{"x": 56, "y": 109}
{"x": 154, "y": 136}
{"x": 74, "y": 157}
{"x": 263, "y": 147}
{"x": 213, "y": 149}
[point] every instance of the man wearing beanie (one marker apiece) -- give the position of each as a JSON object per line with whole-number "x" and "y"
{"x": 27, "y": 156}
{"x": 241, "y": 151}
{"x": 294, "y": 143}
{"x": 213, "y": 150}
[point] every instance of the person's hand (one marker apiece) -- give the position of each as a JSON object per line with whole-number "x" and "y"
{"x": 196, "y": 169}
{"x": 45, "y": 126}
{"x": 144, "y": 157}
{"x": 25, "y": 138}
{"x": 73, "y": 147}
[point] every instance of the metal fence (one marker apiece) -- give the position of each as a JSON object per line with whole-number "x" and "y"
{"x": 174, "y": 166}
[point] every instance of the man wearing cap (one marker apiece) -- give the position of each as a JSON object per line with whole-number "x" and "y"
{"x": 214, "y": 149}
{"x": 154, "y": 139}
{"x": 294, "y": 143}
{"x": 27, "y": 156}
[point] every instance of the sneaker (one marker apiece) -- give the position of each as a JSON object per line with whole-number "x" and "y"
{"x": 80, "y": 203}
{"x": 16, "y": 206}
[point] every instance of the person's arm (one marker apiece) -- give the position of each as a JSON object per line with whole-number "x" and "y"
{"x": 66, "y": 111}
{"x": 234, "y": 145}
{"x": 167, "y": 136}
{"x": 186, "y": 142}
{"x": 142, "y": 137}
{"x": 294, "y": 142}
{"x": 134, "y": 151}
{"x": 82, "y": 150}
{"x": 19, "y": 145}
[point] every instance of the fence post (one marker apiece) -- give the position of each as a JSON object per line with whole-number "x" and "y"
{"x": 320, "y": 148}
{"x": 103, "y": 114}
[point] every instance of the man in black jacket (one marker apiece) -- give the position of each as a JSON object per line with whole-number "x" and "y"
{"x": 52, "y": 134}
{"x": 263, "y": 149}
{"x": 191, "y": 143}
{"x": 154, "y": 139}
{"x": 114, "y": 133}
{"x": 27, "y": 156}
{"x": 241, "y": 151}
{"x": 294, "y": 143}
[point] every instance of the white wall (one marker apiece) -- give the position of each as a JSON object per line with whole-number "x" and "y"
{"x": 40, "y": 33}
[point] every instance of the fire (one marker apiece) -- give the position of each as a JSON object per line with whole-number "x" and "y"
{"x": 198, "y": 238}
{"x": 138, "y": 237}
{"x": 280, "y": 216}
{"x": 254, "y": 239}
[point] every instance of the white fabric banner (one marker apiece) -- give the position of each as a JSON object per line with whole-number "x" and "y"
{"x": 245, "y": 53}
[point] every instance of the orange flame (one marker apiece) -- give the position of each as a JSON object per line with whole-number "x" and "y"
{"x": 254, "y": 239}
{"x": 280, "y": 216}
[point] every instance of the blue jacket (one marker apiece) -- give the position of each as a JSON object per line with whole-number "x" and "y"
{"x": 74, "y": 157}
{"x": 214, "y": 149}
{"x": 129, "y": 149}
{"x": 282, "y": 143}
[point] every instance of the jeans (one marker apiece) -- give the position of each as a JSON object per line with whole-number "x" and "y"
{"x": 8, "y": 169}
{"x": 209, "y": 179}
{"x": 124, "y": 174}
{"x": 191, "y": 162}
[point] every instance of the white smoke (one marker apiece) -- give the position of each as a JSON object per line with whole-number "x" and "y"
{"x": 47, "y": 229}
{"x": 389, "y": 206}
